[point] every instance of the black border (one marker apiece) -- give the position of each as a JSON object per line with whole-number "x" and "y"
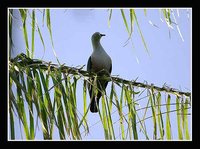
{"x": 3, "y": 72}
{"x": 83, "y": 3}
{"x": 195, "y": 74}
{"x": 97, "y": 3}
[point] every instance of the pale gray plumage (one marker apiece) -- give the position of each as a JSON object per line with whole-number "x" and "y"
{"x": 100, "y": 63}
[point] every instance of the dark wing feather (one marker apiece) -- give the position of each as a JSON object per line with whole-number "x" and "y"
{"x": 110, "y": 70}
{"x": 93, "y": 107}
{"x": 89, "y": 68}
{"x": 89, "y": 64}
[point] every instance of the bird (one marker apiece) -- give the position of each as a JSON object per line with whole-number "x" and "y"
{"x": 100, "y": 63}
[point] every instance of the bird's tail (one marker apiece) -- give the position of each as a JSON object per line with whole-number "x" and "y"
{"x": 94, "y": 104}
{"x": 95, "y": 99}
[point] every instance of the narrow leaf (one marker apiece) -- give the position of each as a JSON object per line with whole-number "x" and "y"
{"x": 145, "y": 45}
{"x": 152, "y": 99}
{"x": 125, "y": 22}
{"x": 110, "y": 15}
{"x": 168, "y": 125}
{"x": 33, "y": 33}
{"x": 49, "y": 24}
{"x": 145, "y": 12}
{"x": 41, "y": 38}
{"x": 180, "y": 135}
{"x": 159, "y": 116}
{"x": 23, "y": 13}
{"x": 187, "y": 134}
{"x": 12, "y": 126}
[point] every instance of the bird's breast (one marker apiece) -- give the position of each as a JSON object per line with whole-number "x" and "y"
{"x": 100, "y": 61}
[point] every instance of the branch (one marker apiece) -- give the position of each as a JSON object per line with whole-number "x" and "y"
{"x": 23, "y": 61}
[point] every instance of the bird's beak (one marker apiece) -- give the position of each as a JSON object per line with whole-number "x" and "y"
{"x": 103, "y": 35}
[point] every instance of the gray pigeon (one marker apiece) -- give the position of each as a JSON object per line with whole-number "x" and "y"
{"x": 100, "y": 63}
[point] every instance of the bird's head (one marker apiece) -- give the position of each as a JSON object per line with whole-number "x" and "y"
{"x": 97, "y": 36}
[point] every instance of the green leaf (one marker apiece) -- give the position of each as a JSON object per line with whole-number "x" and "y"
{"x": 20, "y": 104}
{"x": 143, "y": 120}
{"x": 23, "y": 13}
{"x": 47, "y": 100}
{"x": 119, "y": 110}
{"x": 132, "y": 111}
{"x": 187, "y": 134}
{"x": 42, "y": 111}
{"x": 145, "y": 12}
{"x": 48, "y": 20}
{"x": 72, "y": 108}
{"x": 125, "y": 22}
{"x": 110, "y": 14}
{"x": 145, "y": 45}
{"x": 168, "y": 125}
{"x": 12, "y": 123}
{"x": 120, "y": 105}
{"x": 67, "y": 107}
{"x": 31, "y": 88}
{"x": 132, "y": 19}
{"x": 33, "y": 33}
{"x": 41, "y": 38}
{"x": 111, "y": 98}
{"x": 180, "y": 135}
{"x": 152, "y": 101}
{"x": 10, "y": 31}
{"x": 159, "y": 116}
{"x": 49, "y": 24}
{"x": 166, "y": 13}
{"x": 168, "y": 16}
{"x": 57, "y": 98}
{"x": 85, "y": 104}
{"x": 105, "y": 122}
{"x": 110, "y": 123}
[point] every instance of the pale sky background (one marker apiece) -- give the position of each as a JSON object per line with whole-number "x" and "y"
{"x": 170, "y": 60}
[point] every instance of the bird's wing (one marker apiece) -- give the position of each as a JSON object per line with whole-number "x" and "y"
{"x": 110, "y": 70}
{"x": 89, "y": 64}
{"x": 89, "y": 68}
{"x": 93, "y": 107}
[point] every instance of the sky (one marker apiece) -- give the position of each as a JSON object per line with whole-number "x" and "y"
{"x": 170, "y": 54}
